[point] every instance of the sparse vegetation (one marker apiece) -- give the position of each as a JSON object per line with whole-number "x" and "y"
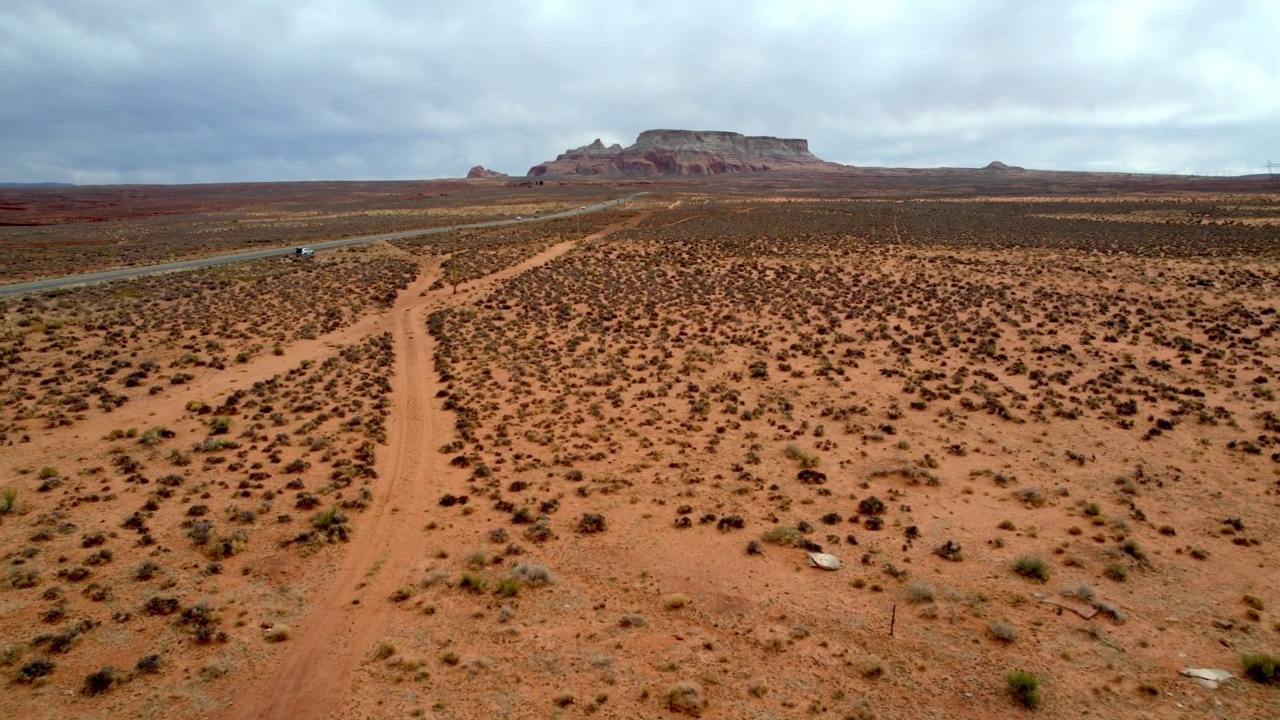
{"x": 1261, "y": 667}
{"x": 1024, "y": 687}
{"x": 1002, "y": 631}
{"x": 1032, "y": 568}
{"x": 820, "y": 371}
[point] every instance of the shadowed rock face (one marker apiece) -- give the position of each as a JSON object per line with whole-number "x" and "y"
{"x": 686, "y": 152}
{"x": 480, "y": 171}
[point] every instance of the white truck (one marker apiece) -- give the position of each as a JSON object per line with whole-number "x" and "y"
{"x": 303, "y": 251}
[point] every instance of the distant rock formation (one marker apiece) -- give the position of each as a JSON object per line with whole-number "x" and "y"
{"x": 686, "y": 152}
{"x": 480, "y": 171}
{"x": 997, "y": 165}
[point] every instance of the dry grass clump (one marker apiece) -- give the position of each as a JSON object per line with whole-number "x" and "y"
{"x": 688, "y": 698}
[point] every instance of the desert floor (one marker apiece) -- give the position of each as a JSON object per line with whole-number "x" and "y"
{"x": 1039, "y": 433}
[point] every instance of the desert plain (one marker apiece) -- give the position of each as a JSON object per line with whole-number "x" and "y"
{"x": 1036, "y": 425}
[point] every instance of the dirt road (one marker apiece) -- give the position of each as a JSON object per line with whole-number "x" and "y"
{"x": 347, "y": 620}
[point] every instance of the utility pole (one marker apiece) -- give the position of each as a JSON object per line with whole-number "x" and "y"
{"x": 1271, "y": 172}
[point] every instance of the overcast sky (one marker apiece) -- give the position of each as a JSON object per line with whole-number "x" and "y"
{"x": 106, "y": 91}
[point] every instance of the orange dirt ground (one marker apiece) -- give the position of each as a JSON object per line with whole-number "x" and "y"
{"x": 586, "y": 482}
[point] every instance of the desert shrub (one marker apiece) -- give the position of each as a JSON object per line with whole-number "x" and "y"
{"x": 1002, "y": 631}
{"x": 200, "y": 532}
{"x": 202, "y": 621}
{"x": 872, "y": 666}
{"x": 871, "y": 505}
{"x": 1261, "y": 667}
{"x": 219, "y": 425}
{"x": 473, "y": 583}
{"x": 533, "y": 575}
{"x": 1024, "y": 687}
{"x": 332, "y": 525}
{"x": 227, "y": 545}
{"x": 8, "y": 498}
{"x": 784, "y": 535}
{"x": 1032, "y": 568}
{"x": 477, "y": 559}
{"x": 157, "y": 605}
{"x": 631, "y": 620}
{"x": 22, "y": 579}
{"x": 1116, "y": 571}
{"x": 1030, "y": 496}
{"x": 687, "y": 698}
{"x": 920, "y": 592}
{"x": 508, "y": 587}
{"x": 296, "y": 466}
{"x": 1134, "y": 550}
{"x": 539, "y": 532}
{"x": 155, "y": 436}
{"x": 676, "y": 601}
{"x": 384, "y": 650}
{"x": 34, "y": 668}
{"x": 99, "y": 681}
{"x": 148, "y": 665}
{"x": 804, "y": 459}
{"x": 591, "y": 523}
{"x": 277, "y": 633}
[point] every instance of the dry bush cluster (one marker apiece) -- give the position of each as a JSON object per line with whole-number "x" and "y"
{"x": 90, "y": 349}
{"x": 139, "y": 545}
{"x": 835, "y": 376}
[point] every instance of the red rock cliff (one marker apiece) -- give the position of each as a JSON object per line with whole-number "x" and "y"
{"x": 686, "y": 152}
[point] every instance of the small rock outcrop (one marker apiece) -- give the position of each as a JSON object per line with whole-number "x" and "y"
{"x": 686, "y": 152}
{"x": 480, "y": 171}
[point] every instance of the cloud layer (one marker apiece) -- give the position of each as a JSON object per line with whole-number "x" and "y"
{"x": 155, "y": 91}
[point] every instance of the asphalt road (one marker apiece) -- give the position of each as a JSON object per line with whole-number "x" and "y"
{"x": 48, "y": 284}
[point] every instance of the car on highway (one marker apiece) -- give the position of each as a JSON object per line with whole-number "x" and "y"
{"x": 303, "y": 251}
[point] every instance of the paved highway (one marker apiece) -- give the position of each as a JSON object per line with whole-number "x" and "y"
{"x": 35, "y": 286}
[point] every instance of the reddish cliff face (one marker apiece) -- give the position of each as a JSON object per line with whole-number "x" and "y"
{"x": 479, "y": 171}
{"x": 686, "y": 152}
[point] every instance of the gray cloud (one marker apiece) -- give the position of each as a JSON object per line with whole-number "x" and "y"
{"x": 143, "y": 91}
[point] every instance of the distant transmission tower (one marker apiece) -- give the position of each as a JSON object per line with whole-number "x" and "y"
{"x": 1271, "y": 172}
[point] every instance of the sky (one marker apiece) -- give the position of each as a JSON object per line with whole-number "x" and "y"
{"x": 185, "y": 91}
